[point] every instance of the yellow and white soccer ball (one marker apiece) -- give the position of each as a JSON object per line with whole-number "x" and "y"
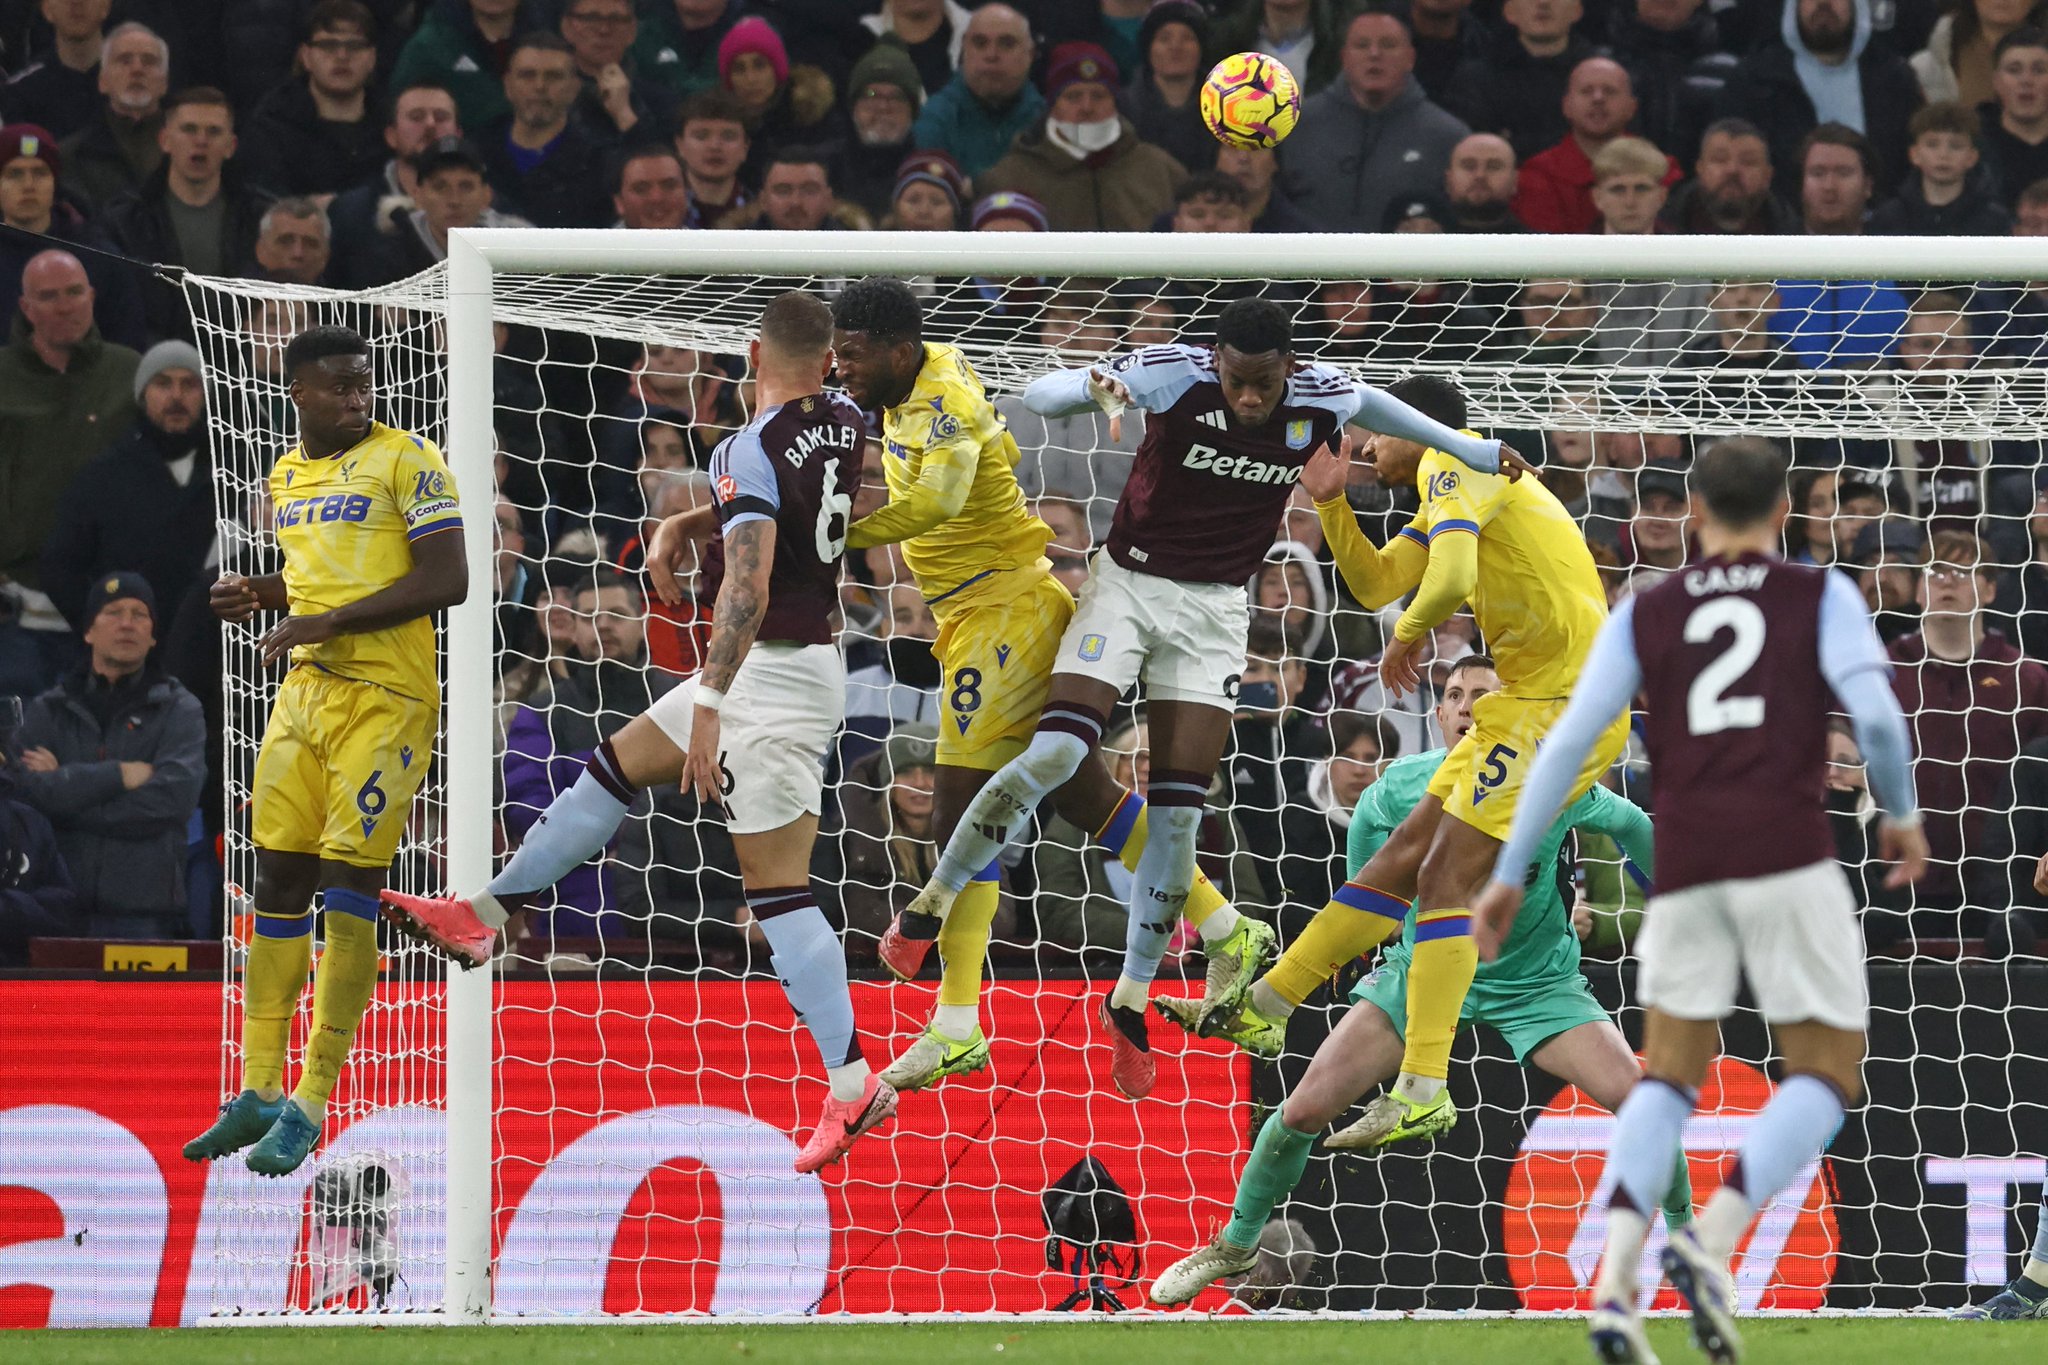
{"x": 1250, "y": 100}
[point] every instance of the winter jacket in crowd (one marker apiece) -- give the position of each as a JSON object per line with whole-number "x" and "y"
{"x": 51, "y": 425}
{"x": 1677, "y": 75}
{"x": 1766, "y": 88}
{"x": 36, "y": 896}
{"x": 1974, "y": 213}
{"x": 448, "y": 48}
{"x": 956, "y": 122}
{"x": 1519, "y": 96}
{"x": 288, "y": 149}
{"x": 1119, "y": 189}
{"x": 127, "y": 509}
{"x": 1345, "y": 164}
{"x": 125, "y": 848}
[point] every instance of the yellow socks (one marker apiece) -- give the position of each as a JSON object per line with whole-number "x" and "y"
{"x": 963, "y": 943}
{"x": 341, "y": 992}
{"x": 1124, "y": 835}
{"x": 1439, "y": 976}
{"x": 1357, "y": 918}
{"x": 272, "y": 979}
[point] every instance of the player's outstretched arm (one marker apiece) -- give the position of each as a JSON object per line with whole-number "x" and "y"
{"x": 1608, "y": 682}
{"x": 1375, "y": 576}
{"x": 1380, "y": 411}
{"x": 735, "y": 620}
{"x": 438, "y": 579}
{"x": 1602, "y": 811}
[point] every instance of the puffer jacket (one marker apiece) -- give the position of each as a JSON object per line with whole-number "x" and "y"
{"x": 125, "y": 849}
{"x": 1120, "y": 189}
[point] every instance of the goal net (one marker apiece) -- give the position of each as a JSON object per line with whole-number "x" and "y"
{"x": 603, "y": 1124}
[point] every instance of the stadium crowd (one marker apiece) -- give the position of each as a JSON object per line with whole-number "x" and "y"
{"x": 338, "y": 142}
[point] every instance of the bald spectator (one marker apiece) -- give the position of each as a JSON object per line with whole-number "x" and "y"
{"x": 1085, "y": 163}
{"x": 1825, "y": 69}
{"x": 1372, "y": 138}
{"x": 1517, "y": 88}
{"x": 678, "y": 42}
{"x": 1556, "y": 192}
{"x": 64, "y": 393}
{"x": 145, "y": 502}
{"x": 1730, "y": 191}
{"x": 1679, "y": 63}
{"x": 1479, "y": 185}
{"x": 614, "y": 99}
{"x": 1445, "y": 35}
{"x": 31, "y": 206}
{"x": 990, "y": 101}
{"x": 545, "y": 165}
{"x": 1304, "y": 35}
{"x": 59, "y": 88}
{"x": 366, "y": 216}
{"x": 294, "y": 242}
{"x": 1831, "y": 323}
{"x": 1258, "y": 170}
{"x": 317, "y": 133}
{"x": 118, "y": 148}
{"x": 2016, "y": 121}
{"x": 647, "y": 187}
{"x": 467, "y": 45}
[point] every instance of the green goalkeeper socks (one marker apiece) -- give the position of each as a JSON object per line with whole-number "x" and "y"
{"x": 1678, "y": 1199}
{"x": 1278, "y": 1158}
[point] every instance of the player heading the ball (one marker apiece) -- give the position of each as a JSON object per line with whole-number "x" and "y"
{"x": 751, "y": 730}
{"x": 1740, "y": 659}
{"x": 1231, "y": 427}
{"x": 371, "y": 531}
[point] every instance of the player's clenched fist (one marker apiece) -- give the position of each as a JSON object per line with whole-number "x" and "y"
{"x": 1111, "y": 396}
{"x": 233, "y": 598}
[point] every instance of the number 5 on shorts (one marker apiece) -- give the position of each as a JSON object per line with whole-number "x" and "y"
{"x": 1493, "y": 770}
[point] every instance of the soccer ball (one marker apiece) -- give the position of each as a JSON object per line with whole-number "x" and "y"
{"x": 1250, "y": 100}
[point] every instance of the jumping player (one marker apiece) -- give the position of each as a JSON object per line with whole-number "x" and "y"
{"x": 751, "y": 730}
{"x": 371, "y": 531}
{"x": 1534, "y": 995}
{"x": 1514, "y": 553}
{"x": 979, "y": 558}
{"x": 1740, "y": 660}
{"x": 1230, "y": 429}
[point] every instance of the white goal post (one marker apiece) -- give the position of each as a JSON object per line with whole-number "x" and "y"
{"x": 608, "y": 283}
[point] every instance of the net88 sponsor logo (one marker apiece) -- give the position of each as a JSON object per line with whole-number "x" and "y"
{"x": 1555, "y": 1221}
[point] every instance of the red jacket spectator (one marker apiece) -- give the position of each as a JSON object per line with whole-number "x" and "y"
{"x": 1555, "y": 190}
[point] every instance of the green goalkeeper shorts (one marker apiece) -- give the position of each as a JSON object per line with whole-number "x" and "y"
{"x": 1527, "y": 1014}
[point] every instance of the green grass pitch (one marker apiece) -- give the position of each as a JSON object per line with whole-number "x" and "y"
{"x": 1792, "y": 1341}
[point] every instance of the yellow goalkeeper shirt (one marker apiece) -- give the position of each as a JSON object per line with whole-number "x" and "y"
{"x": 954, "y": 502}
{"x": 1510, "y": 549}
{"x": 346, "y": 525}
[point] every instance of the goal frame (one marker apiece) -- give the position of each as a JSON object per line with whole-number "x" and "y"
{"x": 477, "y": 255}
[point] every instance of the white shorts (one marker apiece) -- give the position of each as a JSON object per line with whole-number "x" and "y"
{"x": 784, "y": 706}
{"x": 1793, "y": 933}
{"x": 1184, "y": 640}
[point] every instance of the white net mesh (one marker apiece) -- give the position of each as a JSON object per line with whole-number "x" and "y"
{"x": 648, "y": 1076}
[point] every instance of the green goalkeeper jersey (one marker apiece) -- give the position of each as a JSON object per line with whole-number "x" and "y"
{"x": 1542, "y": 945}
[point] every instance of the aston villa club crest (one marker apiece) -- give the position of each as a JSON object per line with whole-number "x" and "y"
{"x": 1298, "y": 434}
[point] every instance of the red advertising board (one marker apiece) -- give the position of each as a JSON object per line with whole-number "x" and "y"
{"x": 642, "y": 1165}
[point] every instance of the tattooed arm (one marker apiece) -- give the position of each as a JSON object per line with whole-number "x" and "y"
{"x": 742, "y": 601}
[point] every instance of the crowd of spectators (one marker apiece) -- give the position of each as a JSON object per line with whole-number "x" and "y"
{"x": 338, "y": 142}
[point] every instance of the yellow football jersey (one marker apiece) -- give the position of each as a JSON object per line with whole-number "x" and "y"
{"x": 346, "y": 525}
{"x": 1537, "y": 594}
{"x": 944, "y": 436}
